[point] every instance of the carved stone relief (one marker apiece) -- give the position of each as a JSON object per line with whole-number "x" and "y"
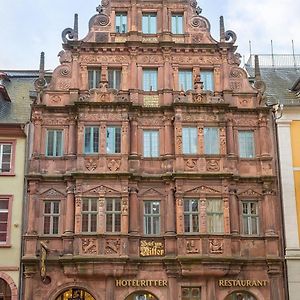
{"x": 212, "y": 165}
{"x": 113, "y": 164}
{"x": 91, "y": 164}
{"x": 216, "y": 246}
{"x": 89, "y": 246}
{"x": 192, "y": 246}
{"x": 112, "y": 246}
{"x": 191, "y": 164}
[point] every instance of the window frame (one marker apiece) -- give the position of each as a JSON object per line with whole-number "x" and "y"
{"x": 214, "y": 217}
{"x": 151, "y": 216}
{"x": 245, "y": 155}
{"x": 190, "y": 137}
{"x": 210, "y": 152}
{"x": 153, "y": 153}
{"x": 121, "y": 14}
{"x": 96, "y": 74}
{"x": 55, "y": 130}
{"x": 13, "y": 143}
{"x": 249, "y": 217}
{"x": 114, "y": 151}
{"x": 113, "y": 213}
{"x": 92, "y": 142}
{"x": 188, "y": 82}
{"x": 114, "y": 85}
{"x": 89, "y": 214}
{"x": 149, "y": 72}
{"x": 148, "y": 30}
{"x": 51, "y": 215}
{"x": 176, "y": 15}
{"x": 8, "y": 198}
{"x": 204, "y": 79}
{"x": 190, "y": 213}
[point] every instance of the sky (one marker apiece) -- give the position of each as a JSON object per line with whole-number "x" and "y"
{"x": 31, "y": 26}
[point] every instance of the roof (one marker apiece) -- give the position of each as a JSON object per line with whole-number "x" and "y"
{"x": 281, "y": 80}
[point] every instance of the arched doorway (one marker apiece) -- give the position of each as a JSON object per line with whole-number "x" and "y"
{"x": 141, "y": 296}
{"x": 75, "y": 294}
{"x": 240, "y": 296}
{"x": 5, "y": 291}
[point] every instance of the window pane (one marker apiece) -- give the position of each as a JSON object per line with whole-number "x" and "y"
{"x": 58, "y": 143}
{"x": 109, "y": 223}
{"x": 55, "y": 225}
{"x": 207, "y": 77}
{"x": 151, "y": 148}
{"x": 149, "y": 23}
{"x": 85, "y": 223}
{"x": 185, "y": 80}
{"x": 189, "y": 140}
{"x": 3, "y": 204}
{"x": 114, "y": 78}
{"x": 94, "y": 78}
{"x": 121, "y": 22}
{"x": 50, "y": 143}
{"x": 113, "y": 140}
{"x": 177, "y": 24}
{"x": 211, "y": 140}
{"x": 47, "y": 225}
{"x": 149, "y": 80}
{"x": 93, "y": 222}
{"x": 246, "y": 144}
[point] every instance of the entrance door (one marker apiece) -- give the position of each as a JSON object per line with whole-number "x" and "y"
{"x": 75, "y": 294}
{"x": 240, "y": 296}
{"x": 141, "y": 296}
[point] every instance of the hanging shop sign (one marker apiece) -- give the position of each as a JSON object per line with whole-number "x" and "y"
{"x": 242, "y": 283}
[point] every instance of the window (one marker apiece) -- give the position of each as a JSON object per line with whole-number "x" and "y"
{"x": 5, "y": 291}
{"x": 121, "y": 22}
{"x": 150, "y": 80}
{"x": 211, "y": 140}
{"x": 4, "y": 220}
{"x": 191, "y": 215}
{"x": 190, "y": 293}
{"x": 189, "y": 140}
{"x": 89, "y": 215}
{"x": 51, "y": 217}
{"x": 5, "y": 157}
{"x": 113, "y": 140}
{"x": 114, "y": 78}
{"x": 250, "y": 217}
{"x": 152, "y": 217}
{"x": 91, "y": 140}
{"x": 214, "y": 216}
{"x": 177, "y": 23}
{"x": 113, "y": 215}
{"x": 54, "y": 143}
{"x": 151, "y": 148}
{"x": 149, "y": 23}
{"x": 240, "y": 296}
{"x": 94, "y": 76}
{"x": 185, "y": 80}
{"x": 246, "y": 144}
{"x": 207, "y": 77}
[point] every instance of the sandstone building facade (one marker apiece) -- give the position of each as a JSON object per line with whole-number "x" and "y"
{"x": 152, "y": 174}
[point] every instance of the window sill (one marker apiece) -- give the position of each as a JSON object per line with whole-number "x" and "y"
{"x": 8, "y": 174}
{"x": 5, "y": 245}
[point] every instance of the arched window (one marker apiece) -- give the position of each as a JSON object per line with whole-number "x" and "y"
{"x": 5, "y": 292}
{"x": 141, "y": 296}
{"x": 240, "y": 296}
{"x": 75, "y": 294}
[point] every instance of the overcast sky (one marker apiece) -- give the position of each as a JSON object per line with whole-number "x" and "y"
{"x": 31, "y": 26}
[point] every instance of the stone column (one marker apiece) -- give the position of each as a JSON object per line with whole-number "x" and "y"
{"x": 167, "y": 71}
{"x": 32, "y": 207}
{"x": 202, "y": 209}
{"x": 134, "y": 208}
{"x": 168, "y": 135}
{"x": 173, "y": 287}
{"x": 269, "y": 210}
{"x": 234, "y": 212}
{"x": 72, "y": 136}
{"x": 133, "y": 136}
{"x": 230, "y": 139}
{"x": 133, "y": 71}
{"x": 102, "y": 225}
{"x": 179, "y": 214}
{"x": 125, "y": 139}
{"x": 28, "y": 283}
{"x": 226, "y": 215}
{"x": 264, "y": 139}
{"x": 170, "y": 209}
{"x": 175, "y": 78}
{"x": 37, "y": 121}
{"x": 124, "y": 214}
{"x": 124, "y": 78}
{"x": 77, "y": 228}
{"x": 70, "y": 208}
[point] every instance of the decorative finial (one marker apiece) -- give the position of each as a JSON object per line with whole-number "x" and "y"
{"x": 257, "y": 68}
{"x": 41, "y": 83}
{"x": 222, "y": 29}
{"x": 99, "y": 9}
{"x": 71, "y": 33}
{"x": 42, "y": 65}
{"x": 198, "y": 10}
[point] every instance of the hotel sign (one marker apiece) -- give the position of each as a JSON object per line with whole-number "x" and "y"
{"x": 242, "y": 283}
{"x": 141, "y": 283}
{"x": 152, "y": 248}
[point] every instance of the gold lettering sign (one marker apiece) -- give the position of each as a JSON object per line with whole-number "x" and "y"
{"x": 152, "y": 248}
{"x": 242, "y": 283}
{"x": 141, "y": 283}
{"x": 151, "y": 100}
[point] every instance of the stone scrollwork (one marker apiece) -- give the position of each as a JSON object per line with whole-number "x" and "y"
{"x": 91, "y": 164}
{"x": 114, "y": 164}
{"x": 230, "y": 36}
{"x": 112, "y": 246}
{"x": 69, "y": 34}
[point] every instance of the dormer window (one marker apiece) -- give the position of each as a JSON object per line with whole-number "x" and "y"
{"x": 121, "y": 22}
{"x": 177, "y": 23}
{"x": 149, "y": 23}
